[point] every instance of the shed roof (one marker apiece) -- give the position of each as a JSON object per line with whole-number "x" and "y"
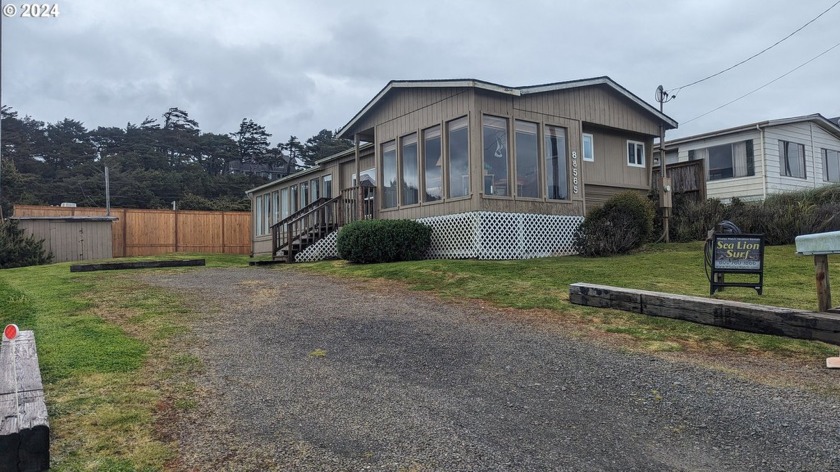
{"x": 346, "y": 131}
{"x": 72, "y": 219}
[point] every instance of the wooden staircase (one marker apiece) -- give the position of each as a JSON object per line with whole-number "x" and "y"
{"x": 312, "y": 223}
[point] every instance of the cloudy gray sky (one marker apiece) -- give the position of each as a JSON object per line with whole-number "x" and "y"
{"x": 300, "y": 66}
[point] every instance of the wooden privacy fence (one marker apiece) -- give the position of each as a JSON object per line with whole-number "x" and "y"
{"x": 687, "y": 178}
{"x": 150, "y": 232}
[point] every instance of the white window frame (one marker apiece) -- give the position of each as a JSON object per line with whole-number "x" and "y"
{"x": 591, "y": 158}
{"x": 636, "y": 145}
{"x": 836, "y": 154}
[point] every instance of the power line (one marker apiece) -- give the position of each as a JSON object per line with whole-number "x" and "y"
{"x": 678, "y": 89}
{"x": 768, "y": 83}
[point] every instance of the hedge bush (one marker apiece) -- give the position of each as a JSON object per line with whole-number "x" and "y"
{"x": 781, "y": 217}
{"x": 622, "y": 224}
{"x": 17, "y": 250}
{"x": 371, "y": 241}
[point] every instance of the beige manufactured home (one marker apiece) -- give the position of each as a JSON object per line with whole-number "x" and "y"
{"x": 498, "y": 172}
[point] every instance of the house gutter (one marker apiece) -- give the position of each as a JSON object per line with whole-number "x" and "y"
{"x": 763, "y": 163}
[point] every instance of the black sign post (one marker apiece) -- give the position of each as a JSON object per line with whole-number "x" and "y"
{"x": 737, "y": 254}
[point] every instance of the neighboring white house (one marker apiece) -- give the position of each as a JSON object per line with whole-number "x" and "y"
{"x": 754, "y": 160}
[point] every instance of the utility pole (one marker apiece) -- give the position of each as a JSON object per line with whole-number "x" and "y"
{"x": 665, "y": 200}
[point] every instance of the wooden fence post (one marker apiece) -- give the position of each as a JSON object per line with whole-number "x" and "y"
{"x": 823, "y": 283}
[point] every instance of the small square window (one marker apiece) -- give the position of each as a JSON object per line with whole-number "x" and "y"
{"x": 588, "y": 148}
{"x": 635, "y": 154}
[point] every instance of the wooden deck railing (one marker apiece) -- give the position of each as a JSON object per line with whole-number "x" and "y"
{"x": 318, "y": 219}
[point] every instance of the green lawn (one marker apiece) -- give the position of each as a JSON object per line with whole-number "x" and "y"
{"x": 676, "y": 268}
{"x": 106, "y": 347}
{"x": 114, "y": 367}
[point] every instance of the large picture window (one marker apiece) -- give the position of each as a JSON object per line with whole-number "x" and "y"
{"x": 792, "y": 159}
{"x": 284, "y": 204}
{"x": 432, "y": 165}
{"x": 304, "y": 194}
{"x": 389, "y": 175}
{"x": 258, "y": 214}
{"x": 527, "y": 160}
{"x": 410, "y": 188}
{"x": 831, "y": 165}
{"x": 275, "y": 206}
{"x": 314, "y": 190}
{"x": 635, "y": 154}
{"x": 556, "y": 177}
{"x": 459, "y": 158}
{"x": 328, "y": 186}
{"x": 727, "y": 160}
{"x": 495, "y": 156}
{"x": 294, "y": 192}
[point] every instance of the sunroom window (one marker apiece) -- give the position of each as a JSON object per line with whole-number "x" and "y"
{"x": 556, "y": 176}
{"x": 389, "y": 175}
{"x": 459, "y": 161}
{"x": 410, "y": 188}
{"x": 495, "y": 156}
{"x": 527, "y": 160}
{"x": 432, "y": 165}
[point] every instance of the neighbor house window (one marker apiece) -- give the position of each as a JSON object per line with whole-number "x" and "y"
{"x": 792, "y": 159}
{"x": 527, "y": 160}
{"x": 389, "y": 175}
{"x": 727, "y": 160}
{"x": 635, "y": 154}
{"x": 327, "y": 185}
{"x": 556, "y": 177}
{"x": 314, "y": 190}
{"x": 459, "y": 157}
{"x": 432, "y": 165}
{"x": 284, "y": 204}
{"x": 588, "y": 148}
{"x": 495, "y": 156}
{"x": 410, "y": 188}
{"x": 831, "y": 165}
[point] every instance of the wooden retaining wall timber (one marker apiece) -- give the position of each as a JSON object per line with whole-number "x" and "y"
{"x": 24, "y": 428}
{"x": 739, "y": 316}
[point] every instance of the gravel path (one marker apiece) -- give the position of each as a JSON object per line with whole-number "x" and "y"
{"x": 309, "y": 373}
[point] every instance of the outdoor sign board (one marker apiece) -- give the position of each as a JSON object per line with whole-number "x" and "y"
{"x": 737, "y": 254}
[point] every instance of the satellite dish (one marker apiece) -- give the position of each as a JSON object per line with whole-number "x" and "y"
{"x": 660, "y": 94}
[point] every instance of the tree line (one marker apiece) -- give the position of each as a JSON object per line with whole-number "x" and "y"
{"x": 150, "y": 164}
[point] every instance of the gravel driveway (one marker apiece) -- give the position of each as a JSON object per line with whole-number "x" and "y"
{"x": 305, "y": 372}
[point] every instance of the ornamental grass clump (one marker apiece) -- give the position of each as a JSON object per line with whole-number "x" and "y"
{"x": 373, "y": 241}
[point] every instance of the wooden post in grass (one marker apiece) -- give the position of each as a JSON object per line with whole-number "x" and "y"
{"x": 24, "y": 429}
{"x": 823, "y": 283}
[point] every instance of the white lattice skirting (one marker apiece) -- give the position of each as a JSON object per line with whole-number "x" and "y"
{"x": 483, "y": 235}
{"x": 491, "y": 235}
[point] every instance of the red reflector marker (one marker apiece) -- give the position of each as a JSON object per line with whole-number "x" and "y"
{"x": 10, "y": 332}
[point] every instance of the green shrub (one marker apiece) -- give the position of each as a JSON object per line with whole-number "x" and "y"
{"x": 371, "y": 241}
{"x": 622, "y": 224}
{"x": 780, "y": 217}
{"x": 17, "y": 250}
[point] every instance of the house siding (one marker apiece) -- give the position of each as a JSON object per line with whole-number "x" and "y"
{"x": 814, "y": 138}
{"x": 745, "y": 188}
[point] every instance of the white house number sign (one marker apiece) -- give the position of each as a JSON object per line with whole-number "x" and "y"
{"x": 575, "y": 178}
